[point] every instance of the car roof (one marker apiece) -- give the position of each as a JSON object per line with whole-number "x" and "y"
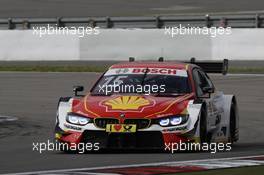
{"x": 147, "y": 64}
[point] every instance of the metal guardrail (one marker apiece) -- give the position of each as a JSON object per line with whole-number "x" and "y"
{"x": 234, "y": 21}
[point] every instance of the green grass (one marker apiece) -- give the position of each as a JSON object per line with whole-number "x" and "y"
{"x": 255, "y": 170}
{"x": 92, "y": 68}
{"x": 246, "y": 70}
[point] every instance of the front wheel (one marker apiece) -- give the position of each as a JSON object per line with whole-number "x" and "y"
{"x": 204, "y": 136}
{"x": 232, "y": 123}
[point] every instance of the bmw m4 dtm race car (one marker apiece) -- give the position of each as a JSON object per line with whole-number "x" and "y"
{"x": 148, "y": 105}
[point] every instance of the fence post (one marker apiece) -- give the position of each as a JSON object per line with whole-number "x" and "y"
{"x": 207, "y": 21}
{"x": 10, "y": 23}
{"x": 92, "y": 23}
{"x": 25, "y": 24}
{"x": 158, "y": 22}
{"x": 108, "y": 22}
{"x": 257, "y": 21}
{"x": 59, "y": 22}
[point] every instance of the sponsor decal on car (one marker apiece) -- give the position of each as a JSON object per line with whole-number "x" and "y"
{"x": 134, "y": 103}
{"x": 73, "y": 127}
{"x": 158, "y": 71}
{"x": 124, "y": 128}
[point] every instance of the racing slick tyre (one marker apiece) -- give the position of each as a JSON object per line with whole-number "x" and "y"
{"x": 204, "y": 135}
{"x": 232, "y": 123}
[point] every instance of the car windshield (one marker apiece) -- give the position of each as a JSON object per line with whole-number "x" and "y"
{"x": 143, "y": 80}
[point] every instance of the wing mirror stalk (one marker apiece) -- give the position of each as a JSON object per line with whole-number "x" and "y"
{"x": 207, "y": 92}
{"x": 77, "y": 89}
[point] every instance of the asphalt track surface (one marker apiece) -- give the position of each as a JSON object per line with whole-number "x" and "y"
{"x": 84, "y": 8}
{"x": 32, "y": 98}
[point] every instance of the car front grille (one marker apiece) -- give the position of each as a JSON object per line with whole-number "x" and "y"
{"x": 141, "y": 123}
{"x": 102, "y": 122}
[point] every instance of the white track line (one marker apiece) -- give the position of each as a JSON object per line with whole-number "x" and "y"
{"x": 129, "y": 166}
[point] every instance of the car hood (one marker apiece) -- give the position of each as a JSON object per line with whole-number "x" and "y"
{"x": 131, "y": 106}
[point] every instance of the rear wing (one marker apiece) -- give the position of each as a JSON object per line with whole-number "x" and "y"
{"x": 207, "y": 66}
{"x": 212, "y": 66}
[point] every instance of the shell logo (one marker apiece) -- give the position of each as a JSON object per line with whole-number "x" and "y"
{"x": 127, "y": 103}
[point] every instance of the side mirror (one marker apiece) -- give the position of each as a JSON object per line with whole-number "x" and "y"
{"x": 208, "y": 90}
{"x": 77, "y": 89}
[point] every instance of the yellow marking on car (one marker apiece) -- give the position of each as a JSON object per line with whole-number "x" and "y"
{"x": 57, "y": 136}
{"x": 127, "y": 103}
{"x": 121, "y": 128}
{"x": 184, "y": 111}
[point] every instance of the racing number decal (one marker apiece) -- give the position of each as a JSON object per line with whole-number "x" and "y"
{"x": 120, "y": 128}
{"x": 116, "y": 80}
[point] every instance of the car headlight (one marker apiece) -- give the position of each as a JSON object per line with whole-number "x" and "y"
{"x": 164, "y": 122}
{"x": 173, "y": 120}
{"x": 77, "y": 120}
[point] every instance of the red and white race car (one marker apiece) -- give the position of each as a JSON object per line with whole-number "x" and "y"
{"x": 150, "y": 105}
